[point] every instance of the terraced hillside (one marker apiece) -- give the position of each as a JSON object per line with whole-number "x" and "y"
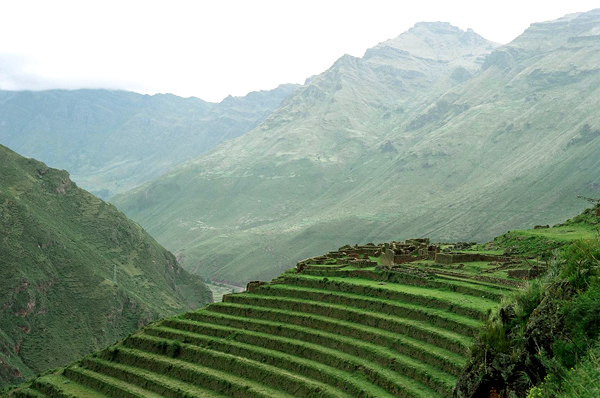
{"x": 349, "y": 324}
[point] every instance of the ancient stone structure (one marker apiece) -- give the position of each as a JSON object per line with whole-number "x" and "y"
{"x": 452, "y": 258}
{"x": 525, "y": 274}
{"x": 387, "y": 257}
{"x": 390, "y": 253}
{"x": 253, "y": 285}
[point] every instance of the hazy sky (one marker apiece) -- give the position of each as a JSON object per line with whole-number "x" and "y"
{"x": 210, "y": 49}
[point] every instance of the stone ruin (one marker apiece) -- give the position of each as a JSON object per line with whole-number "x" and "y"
{"x": 405, "y": 252}
{"x": 391, "y": 253}
{"x": 394, "y": 253}
{"x": 254, "y": 285}
{"x": 525, "y": 274}
{"x": 454, "y": 258}
{"x": 356, "y": 255}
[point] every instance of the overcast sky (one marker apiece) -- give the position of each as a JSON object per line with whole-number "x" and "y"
{"x": 210, "y": 49}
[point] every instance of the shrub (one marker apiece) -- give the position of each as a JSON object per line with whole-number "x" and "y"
{"x": 176, "y": 348}
{"x": 112, "y": 353}
{"x": 579, "y": 381}
{"x": 582, "y": 263}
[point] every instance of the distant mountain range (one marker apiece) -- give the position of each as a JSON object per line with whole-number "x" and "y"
{"x": 112, "y": 141}
{"x": 77, "y": 275}
{"x": 436, "y": 133}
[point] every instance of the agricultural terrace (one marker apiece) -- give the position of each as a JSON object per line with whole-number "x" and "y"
{"x": 394, "y": 320}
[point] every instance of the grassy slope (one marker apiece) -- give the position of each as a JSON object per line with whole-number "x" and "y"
{"x": 387, "y": 147}
{"x": 59, "y": 250}
{"x": 544, "y": 340}
{"x": 112, "y": 141}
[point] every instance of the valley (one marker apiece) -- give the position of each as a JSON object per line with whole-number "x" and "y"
{"x": 319, "y": 330}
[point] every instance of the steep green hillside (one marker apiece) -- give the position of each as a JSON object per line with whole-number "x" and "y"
{"x": 112, "y": 141}
{"x": 545, "y": 340}
{"x": 424, "y": 135}
{"x": 77, "y": 275}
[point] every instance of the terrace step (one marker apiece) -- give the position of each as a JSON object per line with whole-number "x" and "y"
{"x": 441, "y": 318}
{"x": 340, "y": 335}
{"x": 474, "y": 307}
{"x": 380, "y": 366}
{"x": 495, "y": 286}
{"x": 422, "y": 330}
{"x": 107, "y": 385}
{"x": 27, "y": 393}
{"x": 165, "y": 382}
{"x": 59, "y": 386}
{"x": 345, "y": 327}
{"x": 283, "y": 353}
{"x": 438, "y": 282}
{"x": 279, "y": 378}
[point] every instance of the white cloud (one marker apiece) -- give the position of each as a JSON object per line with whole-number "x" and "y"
{"x": 212, "y": 49}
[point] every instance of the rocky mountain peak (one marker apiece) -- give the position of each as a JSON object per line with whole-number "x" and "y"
{"x": 346, "y": 60}
{"x": 437, "y": 27}
{"x": 434, "y": 41}
{"x": 579, "y": 27}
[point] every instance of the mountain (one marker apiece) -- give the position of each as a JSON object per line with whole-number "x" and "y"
{"x": 77, "y": 275}
{"x": 436, "y": 133}
{"x": 112, "y": 141}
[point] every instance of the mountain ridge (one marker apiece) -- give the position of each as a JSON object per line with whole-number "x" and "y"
{"x": 114, "y": 140}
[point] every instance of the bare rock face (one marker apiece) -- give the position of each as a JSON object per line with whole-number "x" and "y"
{"x": 64, "y": 185}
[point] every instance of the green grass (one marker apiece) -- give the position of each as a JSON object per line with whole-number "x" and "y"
{"x": 445, "y": 319}
{"x": 430, "y": 297}
{"x": 568, "y": 233}
{"x": 160, "y": 384}
{"x": 106, "y": 384}
{"x": 415, "y": 329}
{"x": 490, "y": 291}
{"x": 271, "y": 367}
{"x": 328, "y": 366}
{"x": 340, "y": 335}
{"x": 323, "y": 348}
{"x": 61, "y": 386}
